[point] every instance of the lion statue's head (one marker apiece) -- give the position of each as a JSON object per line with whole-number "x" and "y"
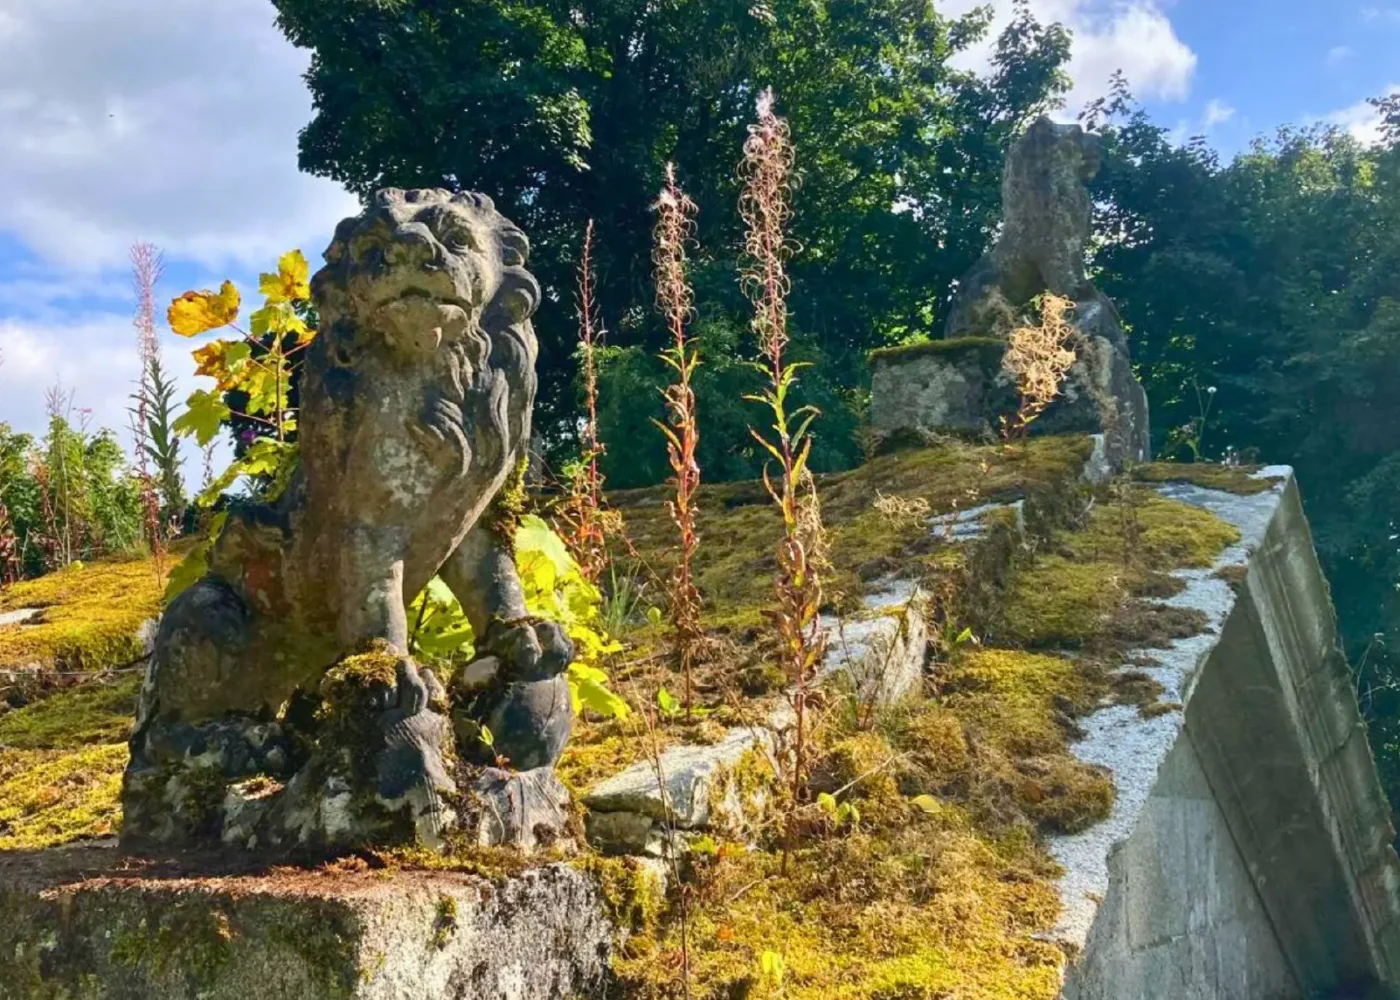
{"x": 423, "y": 373}
{"x": 422, "y": 267}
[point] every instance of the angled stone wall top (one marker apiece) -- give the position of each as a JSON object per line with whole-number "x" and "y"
{"x": 1249, "y": 853}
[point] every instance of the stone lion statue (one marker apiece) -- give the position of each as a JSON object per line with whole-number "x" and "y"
{"x": 1042, "y": 246}
{"x": 281, "y": 706}
{"x": 1045, "y": 227}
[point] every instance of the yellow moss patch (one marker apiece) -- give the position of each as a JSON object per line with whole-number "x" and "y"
{"x": 600, "y": 750}
{"x": 91, "y": 714}
{"x": 91, "y": 615}
{"x": 1013, "y": 699}
{"x": 1017, "y": 709}
{"x": 1066, "y": 598}
{"x": 51, "y": 797}
{"x": 929, "y": 910}
{"x": 1232, "y": 479}
{"x": 739, "y": 526}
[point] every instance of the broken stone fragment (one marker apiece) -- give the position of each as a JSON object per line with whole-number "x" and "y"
{"x": 881, "y": 652}
{"x": 525, "y": 809}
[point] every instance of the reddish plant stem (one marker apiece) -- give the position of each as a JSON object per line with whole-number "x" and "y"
{"x": 675, "y": 226}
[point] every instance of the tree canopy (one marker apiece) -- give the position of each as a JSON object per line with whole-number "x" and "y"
{"x": 565, "y": 112}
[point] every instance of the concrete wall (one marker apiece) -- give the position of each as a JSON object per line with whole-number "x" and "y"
{"x": 1249, "y": 854}
{"x": 1181, "y": 918}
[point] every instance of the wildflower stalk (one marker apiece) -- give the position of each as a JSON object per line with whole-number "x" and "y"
{"x": 675, "y": 228}
{"x": 582, "y": 524}
{"x": 146, "y": 267}
{"x": 766, "y": 210}
{"x": 10, "y": 565}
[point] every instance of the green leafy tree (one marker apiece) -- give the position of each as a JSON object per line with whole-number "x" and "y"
{"x": 569, "y": 112}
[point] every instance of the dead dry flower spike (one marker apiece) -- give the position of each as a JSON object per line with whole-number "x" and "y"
{"x": 1039, "y": 357}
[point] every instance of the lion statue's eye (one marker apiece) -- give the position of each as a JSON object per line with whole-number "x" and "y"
{"x": 457, "y": 237}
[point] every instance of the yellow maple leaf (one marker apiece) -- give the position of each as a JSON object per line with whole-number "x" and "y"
{"x": 290, "y": 282}
{"x": 223, "y": 361}
{"x": 195, "y": 312}
{"x": 278, "y": 318}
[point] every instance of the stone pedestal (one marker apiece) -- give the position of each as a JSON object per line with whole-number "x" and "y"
{"x": 959, "y": 387}
{"x": 85, "y": 923}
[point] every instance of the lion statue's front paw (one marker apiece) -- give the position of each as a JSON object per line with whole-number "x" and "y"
{"x": 512, "y": 704}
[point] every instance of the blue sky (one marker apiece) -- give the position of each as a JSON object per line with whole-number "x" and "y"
{"x": 175, "y": 121}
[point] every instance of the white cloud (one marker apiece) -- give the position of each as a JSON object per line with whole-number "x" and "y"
{"x": 1386, "y": 14}
{"x": 1360, "y": 120}
{"x": 1217, "y": 113}
{"x": 1135, "y": 36}
{"x": 1339, "y": 54}
{"x": 93, "y": 356}
{"x": 168, "y": 120}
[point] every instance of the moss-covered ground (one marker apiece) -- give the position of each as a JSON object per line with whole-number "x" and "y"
{"x": 934, "y": 883}
{"x": 937, "y": 884}
{"x": 91, "y": 615}
{"x": 63, "y": 737}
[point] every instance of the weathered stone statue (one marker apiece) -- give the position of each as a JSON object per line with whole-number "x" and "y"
{"x": 281, "y": 707}
{"x": 957, "y": 384}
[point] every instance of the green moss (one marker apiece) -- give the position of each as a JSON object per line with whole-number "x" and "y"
{"x": 321, "y": 933}
{"x": 51, "y": 797}
{"x": 598, "y": 750}
{"x": 191, "y": 937}
{"x": 1240, "y": 479}
{"x": 740, "y": 528}
{"x": 444, "y": 922}
{"x": 988, "y": 350}
{"x": 631, "y": 893}
{"x": 354, "y": 690}
{"x": 94, "y": 713}
{"x": 923, "y": 909}
{"x": 91, "y": 616}
{"x": 1067, "y": 598}
{"x": 1017, "y": 708}
{"x": 511, "y": 503}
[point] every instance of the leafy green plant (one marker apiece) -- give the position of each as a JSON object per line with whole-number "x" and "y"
{"x": 162, "y": 443}
{"x": 555, "y": 588}
{"x": 258, "y": 368}
{"x": 838, "y": 814}
{"x": 1190, "y": 435}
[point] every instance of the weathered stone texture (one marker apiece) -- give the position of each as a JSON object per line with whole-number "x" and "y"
{"x": 415, "y": 422}
{"x": 75, "y": 924}
{"x": 1181, "y": 917}
{"x": 958, "y": 384}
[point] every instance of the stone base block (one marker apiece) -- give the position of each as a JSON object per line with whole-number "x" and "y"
{"x": 959, "y": 387}
{"x": 86, "y": 923}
